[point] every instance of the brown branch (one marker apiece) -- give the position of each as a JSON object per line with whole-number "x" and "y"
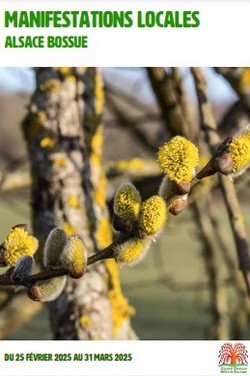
{"x": 192, "y": 125}
{"x": 236, "y": 78}
{"x": 208, "y": 125}
{"x": 169, "y": 101}
{"x": 106, "y": 253}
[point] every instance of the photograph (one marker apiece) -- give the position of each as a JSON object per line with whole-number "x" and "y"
{"x": 124, "y": 201}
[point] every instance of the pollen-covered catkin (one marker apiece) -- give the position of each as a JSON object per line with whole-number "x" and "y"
{"x": 54, "y": 247}
{"x": 47, "y": 291}
{"x": 132, "y": 251}
{"x": 178, "y": 159}
{"x": 127, "y": 202}
{"x": 18, "y": 243}
{"x": 153, "y": 215}
{"x": 240, "y": 151}
{"x": 74, "y": 256}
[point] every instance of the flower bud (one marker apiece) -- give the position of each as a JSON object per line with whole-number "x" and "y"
{"x": 22, "y": 268}
{"x": 153, "y": 215}
{"x": 178, "y": 204}
{"x": 47, "y": 291}
{"x": 240, "y": 150}
{"x": 132, "y": 251}
{"x": 54, "y": 247}
{"x": 127, "y": 202}
{"x": 220, "y": 162}
{"x": 74, "y": 256}
{"x": 223, "y": 163}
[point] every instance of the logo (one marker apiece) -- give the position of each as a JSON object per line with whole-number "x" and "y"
{"x": 233, "y": 358}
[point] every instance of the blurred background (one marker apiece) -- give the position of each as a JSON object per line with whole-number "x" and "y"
{"x": 169, "y": 289}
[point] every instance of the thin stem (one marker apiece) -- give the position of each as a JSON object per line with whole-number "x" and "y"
{"x": 6, "y": 279}
{"x": 209, "y": 126}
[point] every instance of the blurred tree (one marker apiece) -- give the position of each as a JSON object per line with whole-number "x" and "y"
{"x": 64, "y": 133}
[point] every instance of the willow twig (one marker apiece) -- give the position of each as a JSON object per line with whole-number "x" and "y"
{"x": 208, "y": 125}
{"x": 48, "y": 273}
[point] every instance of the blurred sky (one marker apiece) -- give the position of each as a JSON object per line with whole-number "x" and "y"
{"x": 130, "y": 80}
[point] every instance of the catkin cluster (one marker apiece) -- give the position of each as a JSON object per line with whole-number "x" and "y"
{"x": 140, "y": 221}
{"x": 60, "y": 251}
{"x": 178, "y": 159}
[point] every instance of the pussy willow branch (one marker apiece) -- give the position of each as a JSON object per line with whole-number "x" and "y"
{"x": 106, "y": 253}
{"x": 209, "y": 127}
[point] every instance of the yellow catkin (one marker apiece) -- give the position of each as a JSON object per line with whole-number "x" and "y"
{"x": 178, "y": 159}
{"x": 127, "y": 202}
{"x": 240, "y": 150}
{"x": 153, "y": 215}
{"x": 47, "y": 291}
{"x": 131, "y": 252}
{"x": 74, "y": 256}
{"x": 18, "y": 243}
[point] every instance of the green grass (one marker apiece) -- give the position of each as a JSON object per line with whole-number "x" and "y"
{"x": 161, "y": 311}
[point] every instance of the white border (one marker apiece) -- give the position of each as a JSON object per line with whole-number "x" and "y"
{"x": 220, "y": 40}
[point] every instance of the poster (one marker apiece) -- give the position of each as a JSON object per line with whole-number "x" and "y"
{"x": 124, "y": 190}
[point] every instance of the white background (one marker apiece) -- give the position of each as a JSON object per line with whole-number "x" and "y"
{"x": 150, "y": 358}
{"x": 220, "y": 40}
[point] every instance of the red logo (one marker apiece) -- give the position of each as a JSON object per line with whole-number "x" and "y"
{"x": 233, "y": 354}
{"x": 233, "y": 358}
